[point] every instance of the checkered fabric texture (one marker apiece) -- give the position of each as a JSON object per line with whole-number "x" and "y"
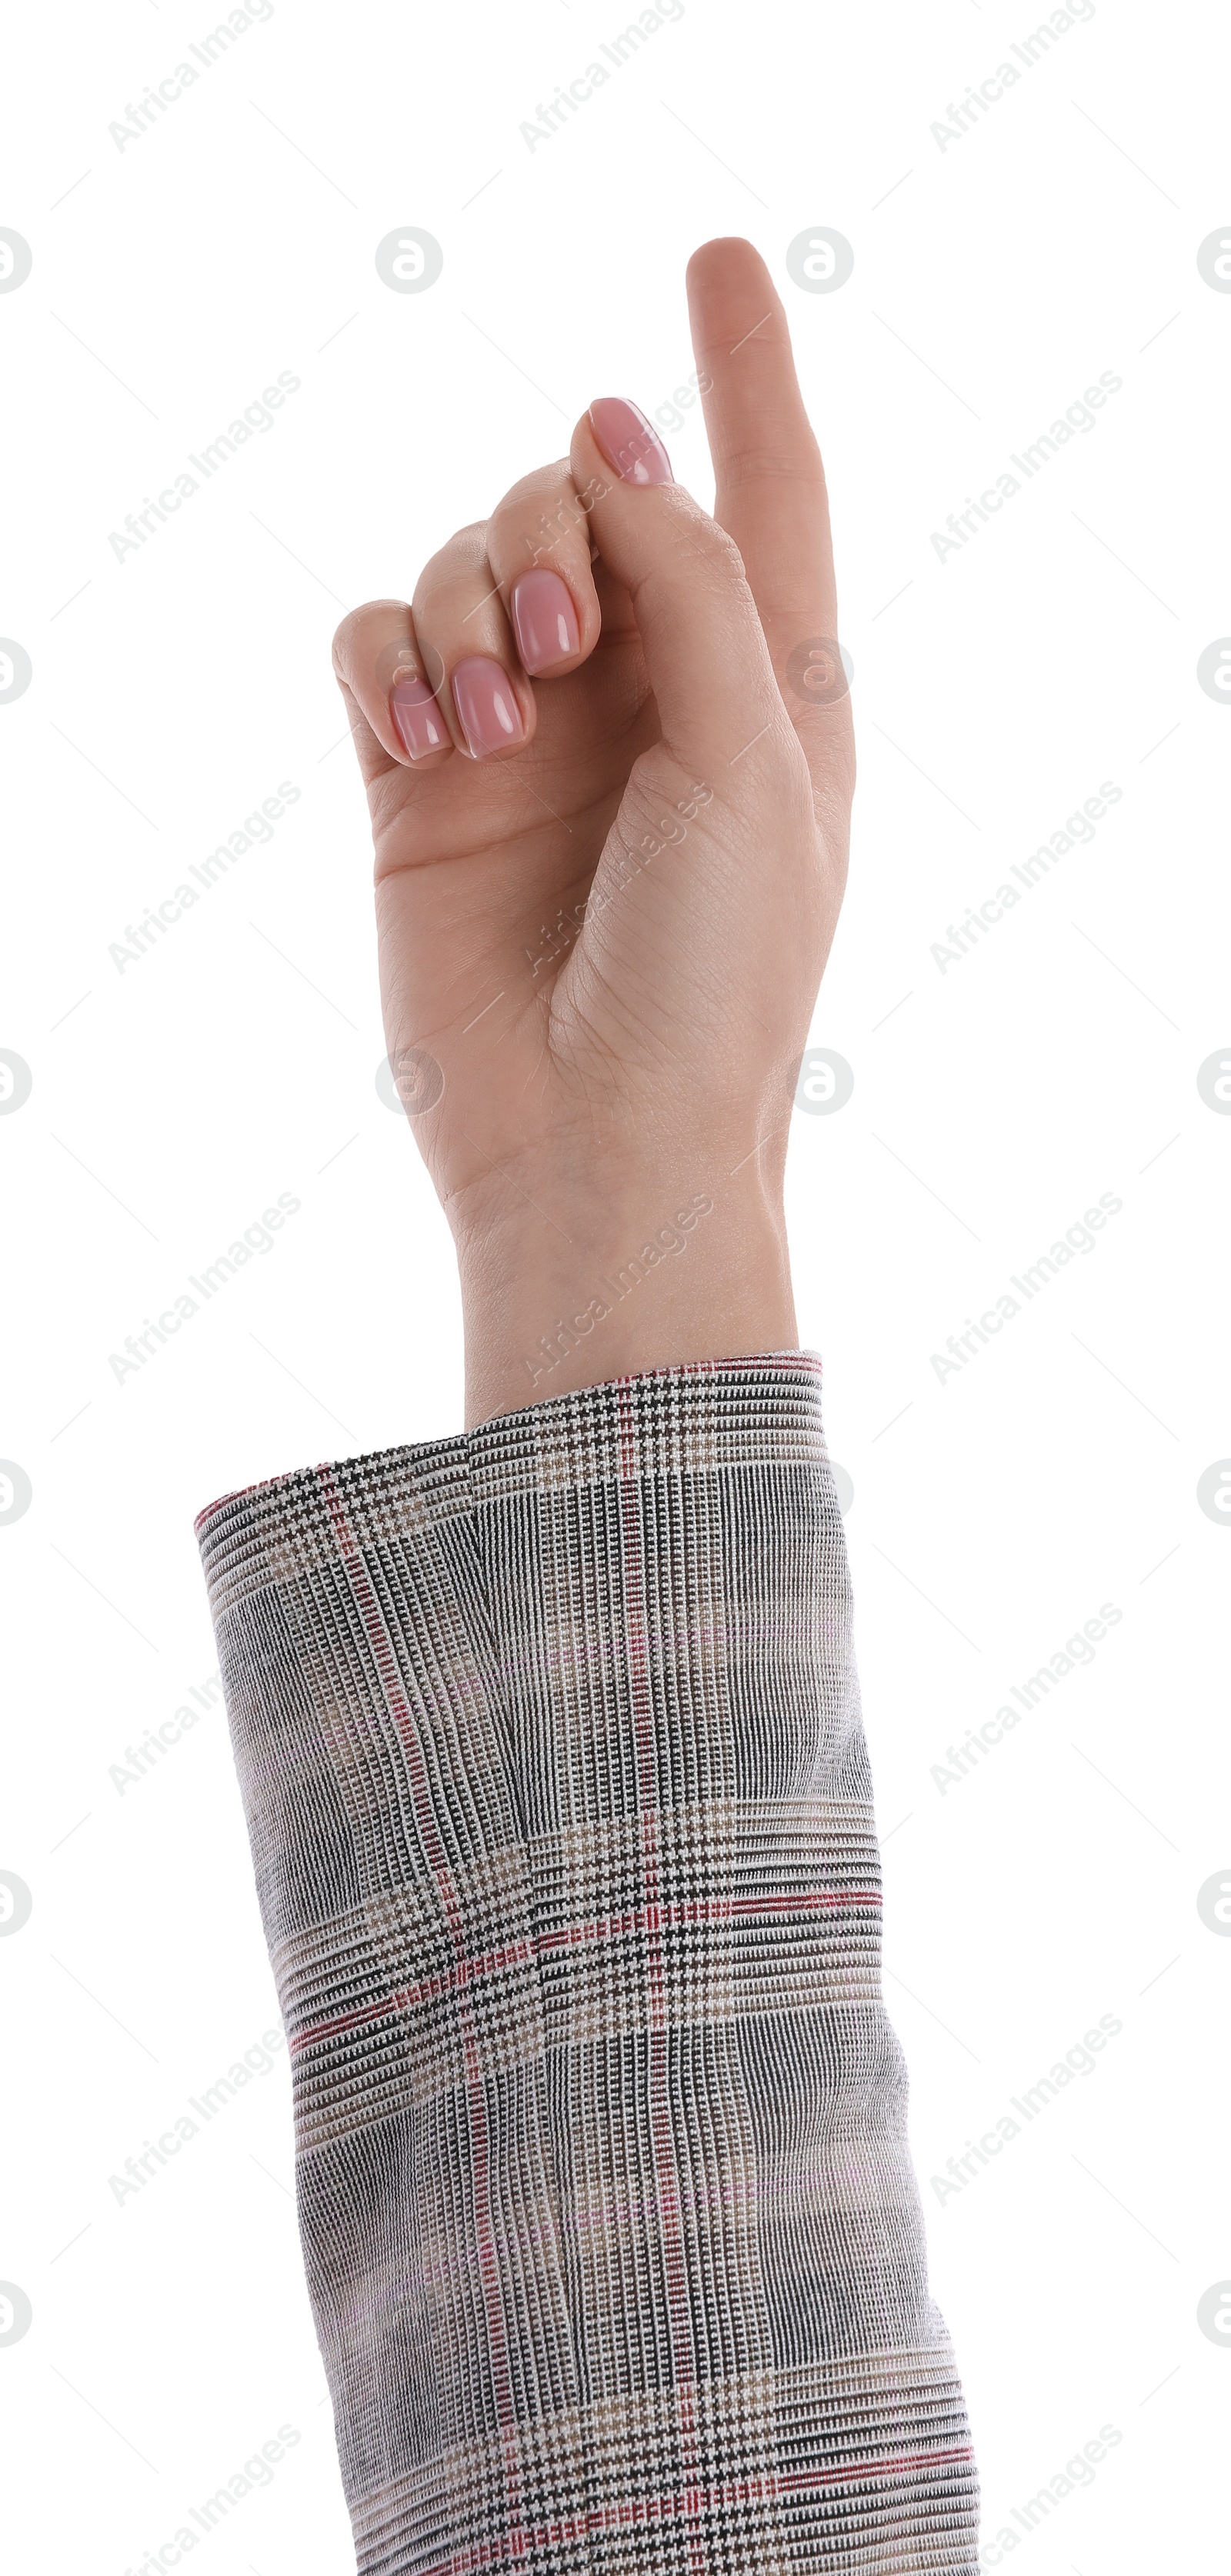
{"x": 550, "y": 1745}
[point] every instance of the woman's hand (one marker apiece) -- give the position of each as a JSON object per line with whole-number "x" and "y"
{"x": 609, "y": 761}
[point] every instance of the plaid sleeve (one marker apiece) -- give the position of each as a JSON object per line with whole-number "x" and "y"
{"x": 551, "y": 1751}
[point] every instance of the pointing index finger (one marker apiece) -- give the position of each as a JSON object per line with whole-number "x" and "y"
{"x": 770, "y": 482}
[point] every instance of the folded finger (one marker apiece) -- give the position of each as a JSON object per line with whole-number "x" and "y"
{"x": 380, "y": 668}
{"x": 468, "y": 650}
{"x": 539, "y": 547}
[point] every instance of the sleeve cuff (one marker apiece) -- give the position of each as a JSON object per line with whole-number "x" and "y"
{"x": 551, "y": 1750}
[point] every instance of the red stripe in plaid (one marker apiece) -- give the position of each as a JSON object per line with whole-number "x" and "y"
{"x": 690, "y": 2503}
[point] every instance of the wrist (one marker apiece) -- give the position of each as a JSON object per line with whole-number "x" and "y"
{"x": 654, "y": 1270}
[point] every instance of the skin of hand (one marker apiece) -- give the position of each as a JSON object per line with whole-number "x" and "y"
{"x": 609, "y": 760}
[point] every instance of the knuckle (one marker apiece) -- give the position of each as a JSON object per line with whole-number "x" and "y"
{"x": 774, "y": 770}
{"x": 342, "y": 648}
{"x": 538, "y": 491}
{"x": 542, "y": 525}
{"x": 453, "y": 562}
{"x": 715, "y": 551}
{"x": 748, "y": 462}
{"x": 357, "y": 630}
{"x": 725, "y": 555}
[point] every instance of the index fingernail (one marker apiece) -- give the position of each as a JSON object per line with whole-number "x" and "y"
{"x": 629, "y": 442}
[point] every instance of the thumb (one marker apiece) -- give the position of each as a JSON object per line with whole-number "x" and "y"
{"x": 705, "y": 650}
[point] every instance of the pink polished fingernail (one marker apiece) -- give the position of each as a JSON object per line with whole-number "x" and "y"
{"x": 628, "y": 442}
{"x": 487, "y": 710}
{"x": 544, "y": 620}
{"x": 420, "y": 725}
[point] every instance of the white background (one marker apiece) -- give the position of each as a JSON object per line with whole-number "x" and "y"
{"x": 994, "y": 1512}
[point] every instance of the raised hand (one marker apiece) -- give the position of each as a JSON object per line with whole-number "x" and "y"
{"x": 609, "y": 761}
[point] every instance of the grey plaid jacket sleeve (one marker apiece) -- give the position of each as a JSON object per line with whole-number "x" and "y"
{"x": 550, "y": 1746}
